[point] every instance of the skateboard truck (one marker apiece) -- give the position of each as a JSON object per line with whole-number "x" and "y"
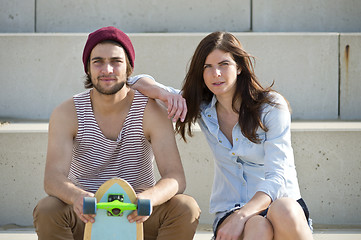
{"x": 116, "y": 206}
{"x": 117, "y": 212}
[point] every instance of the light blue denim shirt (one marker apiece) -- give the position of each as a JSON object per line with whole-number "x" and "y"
{"x": 242, "y": 167}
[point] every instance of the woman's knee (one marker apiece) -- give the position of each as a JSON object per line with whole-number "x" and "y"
{"x": 285, "y": 211}
{"x": 258, "y": 227}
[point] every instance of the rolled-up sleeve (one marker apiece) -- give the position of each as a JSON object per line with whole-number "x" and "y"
{"x": 132, "y": 80}
{"x": 277, "y": 149}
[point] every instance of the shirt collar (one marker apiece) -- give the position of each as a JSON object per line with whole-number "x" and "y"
{"x": 209, "y": 115}
{"x": 211, "y": 106}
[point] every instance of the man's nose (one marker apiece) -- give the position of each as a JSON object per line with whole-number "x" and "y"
{"x": 108, "y": 68}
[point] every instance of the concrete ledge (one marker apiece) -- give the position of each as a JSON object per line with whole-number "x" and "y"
{"x": 17, "y": 16}
{"x": 326, "y": 155}
{"x": 143, "y": 16}
{"x": 204, "y": 232}
{"x": 180, "y": 16}
{"x": 350, "y": 87}
{"x": 304, "y": 66}
{"x": 321, "y": 126}
{"x": 306, "y": 16}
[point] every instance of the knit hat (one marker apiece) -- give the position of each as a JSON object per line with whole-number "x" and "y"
{"x": 108, "y": 33}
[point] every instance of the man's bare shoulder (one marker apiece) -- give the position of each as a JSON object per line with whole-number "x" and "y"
{"x": 155, "y": 109}
{"x": 65, "y": 109}
{"x": 156, "y": 119}
{"x": 64, "y": 116}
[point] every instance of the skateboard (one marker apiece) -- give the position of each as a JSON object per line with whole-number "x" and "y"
{"x": 113, "y": 202}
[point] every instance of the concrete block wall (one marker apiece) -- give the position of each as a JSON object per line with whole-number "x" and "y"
{"x": 181, "y": 16}
{"x": 306, "y": 16}
{"x": 42, "y": 70}
{"x": 329, "y": 182}
{"x": 14, "y": 18}
{"x": 311, "y": 49}
{"x": 350, "y": 76}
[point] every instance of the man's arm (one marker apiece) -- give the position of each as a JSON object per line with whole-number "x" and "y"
{"x": 62, "y": 130}
{"x": 173, "y": 100}
{"x": 159, "y": 131}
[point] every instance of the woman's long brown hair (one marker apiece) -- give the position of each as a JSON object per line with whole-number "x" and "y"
{"x": 249, "y": 91}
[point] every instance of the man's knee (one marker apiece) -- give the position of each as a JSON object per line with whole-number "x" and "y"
{"x": 49, "y": 207}
{"x": 186, "y": 205}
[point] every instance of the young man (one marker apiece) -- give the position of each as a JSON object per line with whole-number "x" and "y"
{"x": 112, "y": 131}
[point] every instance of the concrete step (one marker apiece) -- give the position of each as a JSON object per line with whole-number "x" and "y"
{"x": 326, "y": 156}
{"x": 203, "y": 233}
{"x": 181, "y": 16}
{"x": 318, "y": 73}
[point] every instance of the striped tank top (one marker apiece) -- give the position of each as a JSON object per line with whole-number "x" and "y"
{"x": 96, "y": 159}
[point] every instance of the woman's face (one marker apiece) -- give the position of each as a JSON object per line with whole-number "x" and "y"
{"x": 220, "y": 73}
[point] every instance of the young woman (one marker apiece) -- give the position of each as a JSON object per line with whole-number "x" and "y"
{"x": 255, "y": 192}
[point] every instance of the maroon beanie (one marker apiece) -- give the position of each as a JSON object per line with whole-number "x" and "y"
{"x": 108, "y": 33}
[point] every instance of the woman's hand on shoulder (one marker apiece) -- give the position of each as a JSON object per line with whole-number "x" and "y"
{"x": 176, "y": 105}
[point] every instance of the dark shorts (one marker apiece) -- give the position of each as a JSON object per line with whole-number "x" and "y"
{"x": 218, "y": 221}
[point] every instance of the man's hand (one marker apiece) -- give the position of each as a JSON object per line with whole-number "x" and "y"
{"x": 176, "y": 104}
{"x": 78, "y": 208}
{"x": 134, "y": 217}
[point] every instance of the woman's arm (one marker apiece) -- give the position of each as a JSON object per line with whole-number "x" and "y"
{"x": 277, "y": 149}
{"x": 173, "y": 100}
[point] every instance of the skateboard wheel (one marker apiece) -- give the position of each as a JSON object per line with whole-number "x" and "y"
{"x": 144, "y": 207}
{"x": 89, "y": 205}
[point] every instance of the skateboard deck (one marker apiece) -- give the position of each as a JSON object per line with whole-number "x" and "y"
{"x": 113, "y": 202}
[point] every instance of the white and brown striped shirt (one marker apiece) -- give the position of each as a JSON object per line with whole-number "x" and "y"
{"x": 97, "y": 159}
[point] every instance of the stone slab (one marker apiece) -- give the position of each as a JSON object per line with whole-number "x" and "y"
{"x": 17, "y": 16}
{"x": 143, "y": 16}
{"x": 326, "y": 156}
{"x": 350, "y": 73}
{"x": 39, "y": 72}
{"x": 306, "y": 16}
{"x": 43, "y": 70}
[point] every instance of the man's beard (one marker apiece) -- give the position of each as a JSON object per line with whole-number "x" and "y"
{"x": 111, "y": 91}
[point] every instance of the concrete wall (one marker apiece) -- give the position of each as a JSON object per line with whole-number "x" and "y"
{"x": 181, "y": 16}
{"x": 143, "y": 16}
{"x": 319, "y": 73}
{"x": 329, "y": 181}
{"x": 306, "y": 16}
{"x": 350, "y": 81}
{"x": 42, "y": 70}
{"x": 39, "y": 72}
{"x": 22, "y": 164}
{"x": 17, "y": 16}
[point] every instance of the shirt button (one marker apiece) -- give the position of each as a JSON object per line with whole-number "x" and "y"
{"x": 233, "y": 154}
{"x": 220, "y": 141}
{"x": 209, "y": 115}
{"x": 236, "y": 139}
